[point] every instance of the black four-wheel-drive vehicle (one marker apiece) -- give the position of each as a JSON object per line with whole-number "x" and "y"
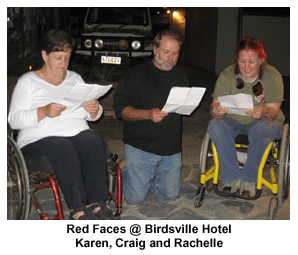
{"x": 115, "y": 35}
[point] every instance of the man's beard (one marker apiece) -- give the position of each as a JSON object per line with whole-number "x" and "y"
{"x": 162, "y": 63}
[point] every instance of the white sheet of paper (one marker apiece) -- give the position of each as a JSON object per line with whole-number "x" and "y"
{"x": 184, "y": 100}
{"x": 83, "y": 93}
{"x": 237, "y": 104}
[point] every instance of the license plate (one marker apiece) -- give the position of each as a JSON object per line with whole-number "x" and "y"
{"x": 111, "y": 60}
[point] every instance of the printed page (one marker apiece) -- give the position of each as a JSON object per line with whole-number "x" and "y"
{"x": 83, "y": 93}
{"x": 183, "y": 100}
{"x": 237, "y": 104}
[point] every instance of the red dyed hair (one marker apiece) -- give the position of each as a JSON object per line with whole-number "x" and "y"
{"x": 249, "y": 43}
{"x": 254, "y": 44}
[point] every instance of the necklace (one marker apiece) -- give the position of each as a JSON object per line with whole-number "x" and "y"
{"x": 52, "y": 81}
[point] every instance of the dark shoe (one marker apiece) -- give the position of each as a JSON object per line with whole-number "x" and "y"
{"x": 84, "y": 214}
{"x": 101, "y": 211}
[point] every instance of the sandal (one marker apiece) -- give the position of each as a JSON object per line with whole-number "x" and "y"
{"x": 87, "y": 215}
{"x": 104, "y": 213}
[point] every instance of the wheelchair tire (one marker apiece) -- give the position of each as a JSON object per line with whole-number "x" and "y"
{"x": 18, "y": 190}
{"x": 284, "y": 166}
{"x": 273, "y": 207}
{"x": 205, "y": 153}
{"x": 207, "y": 161}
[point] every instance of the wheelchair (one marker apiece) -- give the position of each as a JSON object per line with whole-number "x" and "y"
{"x": 26, "y": 175}
{"x": 276, "y": 159}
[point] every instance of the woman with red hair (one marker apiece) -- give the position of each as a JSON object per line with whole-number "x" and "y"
{"x": 264, "y": 123}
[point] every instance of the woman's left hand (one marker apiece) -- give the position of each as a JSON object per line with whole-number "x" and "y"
{"x": 257, "y": 112}
{"x": 92, "y": 107}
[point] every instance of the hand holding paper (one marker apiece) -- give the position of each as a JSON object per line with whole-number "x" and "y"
{"x": 183, "y": 100}
{"x": 237, "y": 104}
{"x": 83, "y": 93}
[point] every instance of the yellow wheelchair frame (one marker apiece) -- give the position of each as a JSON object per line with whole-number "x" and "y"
{"x": 276, "y": 154}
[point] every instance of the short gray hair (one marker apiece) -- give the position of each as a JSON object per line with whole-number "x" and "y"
{"x": 176, "y": 36}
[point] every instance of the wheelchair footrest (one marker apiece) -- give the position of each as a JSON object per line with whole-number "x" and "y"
{"x": 226, "y": 193}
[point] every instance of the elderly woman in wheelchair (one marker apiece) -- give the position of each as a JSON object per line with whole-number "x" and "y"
{"x": 77, "y": 154}
{"x": 264, "y": 123}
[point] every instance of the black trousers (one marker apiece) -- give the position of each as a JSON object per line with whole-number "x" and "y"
{"x": 80, "y": 166}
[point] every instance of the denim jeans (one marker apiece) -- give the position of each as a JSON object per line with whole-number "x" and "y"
{"x": 260, "y": 133}
{"x": 146, "y": 171}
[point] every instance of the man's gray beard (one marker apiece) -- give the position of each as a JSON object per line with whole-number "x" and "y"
{"x": 162, "y": 65}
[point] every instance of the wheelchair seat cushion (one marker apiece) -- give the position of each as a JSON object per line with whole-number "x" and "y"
{"x": 242, "y": 139}
{"x": 38, "y": 163}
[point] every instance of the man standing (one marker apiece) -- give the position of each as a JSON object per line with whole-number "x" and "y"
{"x": 153, "y": 138}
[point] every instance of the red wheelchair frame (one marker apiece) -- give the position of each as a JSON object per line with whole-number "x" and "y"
{"x": 53, "y": 183}
{"x": 22, "y": 185}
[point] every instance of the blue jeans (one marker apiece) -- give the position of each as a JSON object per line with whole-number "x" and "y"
{"x": 146, "y": 171}
{"x": 260, "y": 133}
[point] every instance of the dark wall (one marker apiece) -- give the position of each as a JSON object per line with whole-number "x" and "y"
{"x": 201, "y": 36}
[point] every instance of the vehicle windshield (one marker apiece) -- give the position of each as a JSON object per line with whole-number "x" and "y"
{"x": 118, "y": 15}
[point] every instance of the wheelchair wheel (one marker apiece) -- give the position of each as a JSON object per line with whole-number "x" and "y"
{"x": 273, "y": 207}
{"x": 284, "y": 166}
{"x": 111, "y": 175}
{"x": 18, "y": 196}
{"x": 206, "y": 156}
{"x": 207, "y": 161}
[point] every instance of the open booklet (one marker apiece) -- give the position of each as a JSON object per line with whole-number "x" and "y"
{"x": 237, "y": 104}
{"x": 183, "y": 100}
{"x": 83, "y": 93}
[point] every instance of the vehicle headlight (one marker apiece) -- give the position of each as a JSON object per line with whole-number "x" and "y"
{"x": 136, "y": 45}
{"x": 123, "y": 44}
{"x": 88, "y": 43}
{"x": 98, "y": 43}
